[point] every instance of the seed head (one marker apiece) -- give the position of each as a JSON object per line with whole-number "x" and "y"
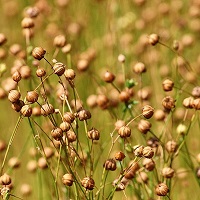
{"x": 27, "y": 22}
{"x": 162, "y": 189}
{"x": 153, "y": 39}
{"x": 26, "y": 110}
{"x": 188, "y": 102}
{"x": 168, "y": 85}
{"x": 16, "y": 76}
{"x": 121, "y": 58}
{"x": 65, "y": 126}
{"x": 70, "y": 74}
{"x": 47, "y": 109}
{"x": 57, "y": 133}
{"x": 124, "y": 132}
{"x": 67, "y": 179}
{"x": 93, "y": 134}
{"x": 5, "y": 179}
{"x": 110, "y": 164}
{"x": 59, "y": 41}
{"x": 32, "y": 96}
{"x": 171, "y": 146}
{"x": 38, "y": 53}
{"x": 14, "y": 96}
{"x": 68, "y": 117}
{"x": 131, "y": 170}
{"x": 148, "y": 164}
{"x": 88, "y": 183}
{"x": 3, "y": 39}
{"x": 59, "y": 68}
{"x": 139, "y": 68}
{"x": 40, "y": 72}
{"x": 71, "y": 136}
{"x": 108, "y": 77}
{"x": 144, "y": 126}
{"x": 168, "y": 103}
{"x": 147, "y": 111}
{"x": 167, "y": 172}
{"x": 148, "y": 152}
{"x": 119, "y": 156}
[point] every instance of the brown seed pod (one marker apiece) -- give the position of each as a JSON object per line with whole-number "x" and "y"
{"x": 144, "y": 93}
{"x": 15, "y": 49}
{"x": 25, "y": 72}
{"x": 42, "y": 163}
{"x": 161, "y": 189}
{"x": 108, "y": 77}
{"x": 31, "y": 12}
{"x": 17, "y": 105}
{"x": 31, "y": 165}
{"x": 26, "y": 110}
{"x": 124, "y": 132}
{"x": 148, "y": 152}
{"x": 84, "y": 115}
{"x": 47, "y": 109}
{"x": 167, "y": 85}
{"x": 27, "y": 22}
{"x": 71, "y": 136}
{"x": 14, "y": 162}
{"x": 92, "y": 101}
{"x": 153, "y": 142}
{"x": 2, "y": 145}
{"x": 82, "y": 65}
{"x": 120, "y": 185}
{"x": 5, "y": 179}
{"x": 57, "y": 133}
{"x": 59, "y": 41}
{"x": 131, "y": 170}
{"x": 171, "y": 146}
{"x": 147, "y": 111}
{"x": 119, "y": 124}
{"x": 159, "y": 115}
{"x": 32, "y": 96}
{"x": 16, "y": 76}
{"x": 142, "y": 177}
{"x": 196, "y": 92}
{"x": 144, "y": 126}
{"x": 102, "y": 101}
{"x": 40, "y": 72}
{"x": 121, "y": 58}
{"x": 110, "y": 164}
{"x": 88, "y": 183}
{"x": 38, "y": 53}
{"x": 196, "y": 104}
{"x": 59, "y": 68}
{"x": 119, "y": 156}
{"x": 25, "y": 190}
{"x": 153, "y": 39}
{"x": 48, "y": 151}
{"x": 148, "y": 164}
{"x": 67, "y": 179}
{"x": 175, "y": 45}
{"x": 93, "y": 134}
{"x": 67, "y": 48}
{"x": 14, "y": 96}
{"x": 138, "y": 149}
{"x": 188, "y": 102}
{"x": 68, "y": 117}
{"x": 139, "y": 68}
{"x": 65, "y": 126}
{"x": 124, "y": 96}
{"x": 3, "y": 39}
{"x": 168, "y": 103}
{"x": 36, "y": 111}
{"x": 167, "y": 172}
{"x": 70, "y": 74}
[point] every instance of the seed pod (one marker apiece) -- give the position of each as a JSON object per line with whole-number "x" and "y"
{"x": 84, "y": 115}
{"x": 82, "y": 65}
{"x": 38, "y": 53}
{"x": 42, "y": 163}
{"x": 181, "y": 129}
{"x": 148, "y": 152}
{"x": 57, "y": 133}
{"x": 196, "y": 92}
{"x": 153, "y": 39}
{"x": 147, "y": 111}
{"x": 124, "y": 96}
{"x": 93, "y": 134}
{"x": 26, "y": 111}
{"x": 14, "y": 162}
{"x": 17, "y": 105}
{"x": 59, "y": 41}
{"x": 102, "y": 101}
{"x": 25, "y": 190}
{"x": 88, "y": 183}
{"x": 139, "y": 68}
{"x": 59, "y": 68}
{"x": 110, "y": 164}
{"x": 144, "y": 126}
{"x": 144, "y": 93}
{"x": 142, "y": 177}
{"x": 124, "y": 132}
{"x": 167, "y": 172}
{"x": 31, "y": 12}
{"x": 5, "y": 179}
{"x": 14, "y": 96}
{"x": 175, "y": 45}
{"x": 196, "y": 104}
{"x": 119, "y": 156}
{"x": 65, "y": 126}
{"x": 32, "y": 96}
{"x": 131, "y": 170}
{"x": 2, "y": 145}
{"x": 171, "y": 146}
{"x": 40, "y": 72}
{"x": 31, "y": 165}
{"x": 36, "y": 111}
{"x": 159, "y": 115}
{"x": 148, "y": 164}
{"x": 70, "y": 74}
{"x": 48, "y": 151}
{"x": 25, "y": 72}
{"x": 188, "y": 102}
{"x": 162, "y": 189}
{"x": 3, "y": 39}
{"x": 168, "y": 103}
{"x": 109, "y": 77}
{"x": 67, "y": 48}
{"x": 198, "y": 172}
{"x": 92, "y": 101}
{"x": 68, "y": 117}
{"x": 167, "y": 85}
{"x": 16, "y": 76}
{"x": 47, "y": 109}
{"x": 67, "y": 179}
{"x": 27, "y": 22}
{"x": 153, "y": 142}
{"x": 121, "y": 58}
{"x": 119, "y": 185}
{"x": 71, "y": 136}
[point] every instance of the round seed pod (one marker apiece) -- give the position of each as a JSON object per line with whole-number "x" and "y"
{"x": 148, "y": 164}
{"x": 121, "y": 58}
{"x": 2, "y": 94}
{"x": 110, "y": 164}
{"x": 167, "y": 85}
{"x": 67, "y": 179}
{"x": 181, "y": 129}
{"x": 17, "y": 105}
{"x": 147, "y": 111}
{"x": 167, "y": 172}
{"x": 144, "y": 93}
{"x": 144, "y": 126}
{"x": 5, "y": 179}
{"x": 59, "y": 41}
{"x": 27, "y": 22}
{"x": 139, "y": 68}
{"x": 142, "y": 177}
{"x": 3, "y": 39}
{"x": 108, "y": 77}
{"x": 119, "y": 124}
{"x": 15, "y": 49}
{"x": 32, "y": 96}
{"x": 124, "y": 132}
{"x": 159, "y": 115}
{"x": 124, "y": 96}
{"x": 102, "y": 101}
{"x": 59, "y": 68}
{"x": 119, "y": 185}
{"x": 40, "y": 72}
{"x": 25, "y": 72}
{"x": 26, "y": 110}
{"x": 119, "y": 156}
{"x": 171, "y": 146}
{"x": 47, "y": 109}
{"x": 131, "y": 170}
{"x": 2, "y": 145}
{"x": 14, "y": 162}
{"x": 82, "y": 65}
{"x": 153, "y": 39}
{"x": 38, "y": 53}
{"x": 57, "y": 133}
{"x": 196, "y": 104}
{"x": 31, "y": 166}
{"x": 153, "y": 142}
{"x": 88, "y": 183}
{"x": 92, "y": 101}
{"x": 175, "y": 45}
{"x": 84, "y": 115}
{"x": 25, "y": 190}
{"x": 16, "y": 76}
{"x": 188, "y": 102}
{"x": 70, "y": 74}
{"x": 14, "y": 96}
{"x": 68, "y": 117}
{"x": 65, "y": 126}
{"x": 31, "y": 12}
{"x": 42, "y": 163}
{"x": 71, "y": 136}
{"x": 93, "y": 134}
{"x": 196, "y": 92}
{"x": 48, "y": 151}
{"x": 36, "y": 111}
{"x": 148, "y": 152}
{"x": 67, "y": 48}
{"x": 161, "y": 189}
{"x": 168, "y": 103}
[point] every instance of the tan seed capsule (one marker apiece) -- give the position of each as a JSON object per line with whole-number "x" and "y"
{"x": 139, "y": 68}
{"x": 188, "y": 102}
{"x": 144, "y": 126}
{"x": 17, "y": 105}
{"x": 121, "y": 58}
{"x": 167, "y": 172}
{"x": 68, "y": 117}
{"x": 168, "y": 103}
{"x": 14, "y": 96}
{"x": 148, "y": 152}
{"x": 31, "y": 166}
{"x": 42, "y": 163}
{"x": 110, "y": 164}
{"x": 71, "y": 136}
{"x": 40, "y": 72}
{"x": 38, "y": 53}
{"x": 196, "y": 104}
{"x": 171, "y": 146}
{"x": 124, "y": 96}
{"x": 59, "y": 68}
{"x": 108, "y": 77}
{"x": 57, "y": 133}
{"x": 14, "y": 162}
{"x": 5, "y": 179}
{"x": 67, "y": 179}
{"x": 196, "y": 92}
{"x": 25, "y": 72}
{"x": 70, "y": 74}
{"x": 142, "y": 177}
{"x": 102, "y": 101}
{"x": 138, "y": 150}
{"x": 88, "y": 183}
{"x": 131, "y": 170}
{"x": 25, "y": 190}
{"x": 153, "y": 39}
{"x": 3, "y": 39}
{"x": 159, "y": 115}
{"x": 31, "y": 12}
{"x": 147, "y": 111}
{"x": 124, "y": 132}
{"x": 93, "y": 134}
{"x": 168, "y": 85}
{"x": 119, "y": 156}
{"x": 32, "y": 96}
{"x": 65, "y": 126}
{"x": 84, "y": 115}
{"x": 27, "y": 22}
{"x": 175, "y": 45}
{"x": 16, "y": 76}
{"x": 82, "y": 65}
{"x": 47, "y": 109}
{"x": 162, "y": 189}
{"x": 36, "y": 111}
{"x": 48, "y": 151}
{"x": 26, "y": 111}
{"x": 148, "y": 164}
{"x": 59, "y": 41}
